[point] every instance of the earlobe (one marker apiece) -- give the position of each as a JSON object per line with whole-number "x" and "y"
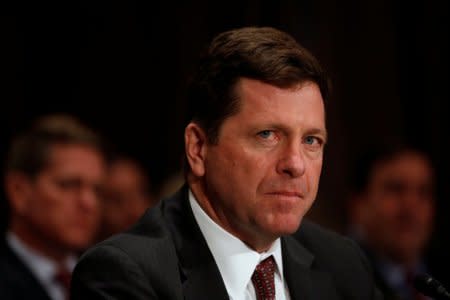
{"x": 195, "y": 147}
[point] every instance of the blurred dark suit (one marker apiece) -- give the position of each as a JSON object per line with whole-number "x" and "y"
{"x": 16, "y": 280}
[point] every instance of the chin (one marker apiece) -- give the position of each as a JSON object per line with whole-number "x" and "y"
{"x": 286, "y": 226}
{"x": 80, "y": 242}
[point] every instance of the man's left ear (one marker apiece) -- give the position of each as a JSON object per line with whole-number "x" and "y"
{"x": 18, "y": 188}
{"x": 195, "y": 147}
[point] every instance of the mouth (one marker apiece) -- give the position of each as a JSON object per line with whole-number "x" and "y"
{"x": 289, "y": 194}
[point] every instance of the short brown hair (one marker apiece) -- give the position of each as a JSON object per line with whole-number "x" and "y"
{"x": 260, "y": 53}
{"x": 29, "y": 152}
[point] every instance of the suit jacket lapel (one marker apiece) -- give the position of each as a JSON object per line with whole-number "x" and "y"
{"x": 199, "y": 273}
{"x": 200, "y": 276}
{"x": 23, "y": 280}
{"x": 304, "y": 282}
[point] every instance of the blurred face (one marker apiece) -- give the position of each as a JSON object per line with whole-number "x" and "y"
{"x": 262, "y": 176}
{"x": 126, "y": 196}
{"x": 399, "y": 207}
{"x": 60, "y": 206}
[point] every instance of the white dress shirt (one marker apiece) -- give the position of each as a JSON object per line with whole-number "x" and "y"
{"x": 43, "y": 268}
{"x": 235, "y": 260}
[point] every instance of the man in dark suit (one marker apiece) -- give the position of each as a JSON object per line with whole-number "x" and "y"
{"x": 254, "y": 145}
{"x": 391, "y": 214}
{"x": 53, "y": 173}
{"x": 126, "y": 195}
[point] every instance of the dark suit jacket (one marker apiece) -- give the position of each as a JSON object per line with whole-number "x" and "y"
{"x": 380, "y": 279}
{"x": 165, "y": 256}
{"x": 16, "y": 280}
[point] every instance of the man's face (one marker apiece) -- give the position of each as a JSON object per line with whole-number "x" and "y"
{"x": 126, "y": 196}
{"x": 262, "y": 176}
{"x": 62, "y": 201}
{"x": 399, "y": 207}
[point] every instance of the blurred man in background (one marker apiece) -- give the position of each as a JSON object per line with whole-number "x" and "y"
{"x": 391, "y": 215}
{"x": 52, "y": 179}
{"x": 126, "y": 195}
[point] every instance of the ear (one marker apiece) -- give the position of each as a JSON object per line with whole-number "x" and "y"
{"x": 18, "y": 188}
{"x": 195, "y": 146}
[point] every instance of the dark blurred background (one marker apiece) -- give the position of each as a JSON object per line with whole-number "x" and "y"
{"x": 122, "y": 67}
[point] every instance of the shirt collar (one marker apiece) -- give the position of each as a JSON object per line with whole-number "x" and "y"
{"x": 41, "y": 266}
{"x": 394, "y": 273}
{"x": 235, "y": 260}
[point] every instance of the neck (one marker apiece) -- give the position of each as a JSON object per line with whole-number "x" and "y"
{"x": 407, "y": 261}
{"x": 257, "y": 241}
{"x": 33, "y": 239}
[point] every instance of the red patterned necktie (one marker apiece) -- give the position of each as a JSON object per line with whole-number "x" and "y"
{"x": 63, "y": 276}
{"x": 263, "y": 279}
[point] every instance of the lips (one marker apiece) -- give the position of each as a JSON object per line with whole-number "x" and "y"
{"x": 286, "y": 194}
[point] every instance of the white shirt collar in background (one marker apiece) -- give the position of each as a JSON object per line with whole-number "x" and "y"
{"x": 42, "y": 267}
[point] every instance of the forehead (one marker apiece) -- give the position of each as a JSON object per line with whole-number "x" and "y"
{"x": 126, "y": 172}
{"x": 75, "y": 157}
{"x": 406, "y": 166}
{"x": 301, "y": 103}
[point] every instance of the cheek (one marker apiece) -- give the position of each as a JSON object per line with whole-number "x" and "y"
{"x": 388, "y": 212}
{"x": 314, "y": 170}
{"x": 426, "y": 213}
{"x": 49, "y": 216}
{"x": 44, "y": 202}
{"x": 237, "y": 165}
{"x": 380, "y": 211}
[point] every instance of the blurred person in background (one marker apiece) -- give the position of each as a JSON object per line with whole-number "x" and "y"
{"x": 53, "y": 174}
{"x": 391, "y": 214}
{"x": 126, "y": 195}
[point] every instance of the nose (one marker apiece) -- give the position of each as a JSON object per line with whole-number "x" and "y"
{"x": 292, "y": 161}
{"x": 88, "y": 199}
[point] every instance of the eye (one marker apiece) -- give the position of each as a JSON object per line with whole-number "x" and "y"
{"x": 310, "y": 140}
{"x": 68, "y": 183}
{"x": 313, "y": 143}
{"x": 267, "y": 137}
{"x": 265, "y": 134}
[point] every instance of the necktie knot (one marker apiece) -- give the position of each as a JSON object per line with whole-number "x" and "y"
{"x": 263, "y": 279}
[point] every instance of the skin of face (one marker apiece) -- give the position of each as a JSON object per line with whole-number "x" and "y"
{"x": 262, "y": 176}
{"x": 398, "y": 207}
{"x": 126, "y": 196}
{"x": 57, "y": 212}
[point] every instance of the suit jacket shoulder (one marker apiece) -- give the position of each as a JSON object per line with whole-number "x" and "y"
{"x": 165, "y": 256}
{"x": 16, "y": 280}
{"x": 138, "y": 264}
{"x": 335, "y": 260}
